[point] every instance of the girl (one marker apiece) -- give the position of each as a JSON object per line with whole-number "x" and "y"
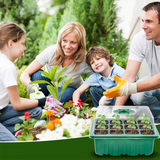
{"x": 12, "y": 46}
{"x": 69, "y": 51}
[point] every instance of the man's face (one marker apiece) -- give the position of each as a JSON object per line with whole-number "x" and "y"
{"x": 151, "y": 26}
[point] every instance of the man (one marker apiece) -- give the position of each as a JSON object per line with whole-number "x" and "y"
{"x": 145, "y": 44}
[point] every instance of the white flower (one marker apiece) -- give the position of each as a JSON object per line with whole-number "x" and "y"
{"x": 40, "y": 123}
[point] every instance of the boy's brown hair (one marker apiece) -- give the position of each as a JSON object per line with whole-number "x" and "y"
{"x": 100, "y": 52}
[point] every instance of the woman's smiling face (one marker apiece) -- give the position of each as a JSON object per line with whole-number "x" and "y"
{"x": 69, "y": 44}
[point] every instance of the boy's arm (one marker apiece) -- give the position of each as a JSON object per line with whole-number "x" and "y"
{"x": 77, "y": 93}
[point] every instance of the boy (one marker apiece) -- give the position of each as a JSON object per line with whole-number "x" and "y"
{"x": 104, "y": 67}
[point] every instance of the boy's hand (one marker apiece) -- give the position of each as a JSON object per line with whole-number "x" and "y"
{"x": 104, "y": 101}
{"x": 123, "y": 88}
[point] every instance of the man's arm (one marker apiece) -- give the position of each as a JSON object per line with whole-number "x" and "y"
{"x": 129, "y": 75}
{"x": 149, "y": 84}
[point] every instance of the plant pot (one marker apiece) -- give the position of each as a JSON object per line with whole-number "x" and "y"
{"x": 124, "y": 141}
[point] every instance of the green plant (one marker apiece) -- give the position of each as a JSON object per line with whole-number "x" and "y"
{"x": 54, "y": 81}
{"x": 116, "y": 120}
{"x": 25, "y": 128}
{"x": 102, "y": 119}
{"x": 80, "y": 109}
{"x": 144, "y": 118}
{"x": 131, "y": 119}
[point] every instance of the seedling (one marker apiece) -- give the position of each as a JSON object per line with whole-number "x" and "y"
{"x": 131, "y": 119}
{"x": 117, "y": 127}
{"x": 116, "y": 120}
{"x": 147, "y": 127}
{"x": 100, "y": 126}
{"x": 102, "y": 119}
{"x": 131, "y": 127}
{"x": 144, "y": 118}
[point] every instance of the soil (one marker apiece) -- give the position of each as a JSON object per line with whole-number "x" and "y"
{"x": 37, "y": 130}
{"x": 115, "y": 122}
{"x": 131, "y": 132}
{"x": 115, "y": 128}
{"x": 126, "y": 127}
{"x": 125, "y": 122}
{"x": 103, "y": 123}
{"x": 100, "y": 132}
{"x": 141, "y": 127}
{"x": 106, "y": 127}
{"x": 116, "y": 131}
{"x": 150, "y": 132}
{"x": 139, "y": 122}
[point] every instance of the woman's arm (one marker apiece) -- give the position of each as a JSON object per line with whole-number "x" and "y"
{"x": 32, "y": 68}
{"x": 77, "y": 93}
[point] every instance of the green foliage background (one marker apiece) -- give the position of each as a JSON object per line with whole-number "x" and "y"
{"x": 99, "y": 18}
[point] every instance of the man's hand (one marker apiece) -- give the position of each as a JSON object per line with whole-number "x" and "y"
{"x": 123, "y": 88}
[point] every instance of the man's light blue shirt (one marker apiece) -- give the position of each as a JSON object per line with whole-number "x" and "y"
{"x": 96, "y": 79}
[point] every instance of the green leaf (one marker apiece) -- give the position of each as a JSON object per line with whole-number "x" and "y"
{"x": 64, "y": 87}
{"x": 62, "y": 78}
{"x": 52, "y": 91}
{"x": 20, "y": 138}
{"x": 45, "y": 74}
{"x": 43, "y": 114}
{"x": 67, "y": 105}
{"x": 28, "y": 137}
{"x": 134, "y": 127}
{"x": 53, "y": 73}
{"x": 17, "y": 126}
{"x": 40, "y": 82}
{"x": 58, "y": 75}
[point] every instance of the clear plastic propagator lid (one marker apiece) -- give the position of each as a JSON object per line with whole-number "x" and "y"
{"x": 122, "y": 111}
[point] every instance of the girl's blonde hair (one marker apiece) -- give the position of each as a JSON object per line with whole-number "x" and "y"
{"x": 78, "y": 57}
{"x": 10, "y": 31}
{"x": 100, "y": 52}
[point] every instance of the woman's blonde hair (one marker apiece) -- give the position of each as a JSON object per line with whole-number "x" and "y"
{"x": 78, "y": 57}
{"x": 10, "y": 31}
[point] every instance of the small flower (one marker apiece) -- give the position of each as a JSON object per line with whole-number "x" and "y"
{"x": 57, "y": 121}
{"x": 17, "y": 133}
{"x": 49, "y": 113}
{"x": 50, "y": 126}
{"x": 26, "y": 113}
{"x": 27, "y": 117}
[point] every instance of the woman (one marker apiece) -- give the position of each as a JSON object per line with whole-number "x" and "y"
{"x": 12, "y": 46}
{"x": 69, "y": 51}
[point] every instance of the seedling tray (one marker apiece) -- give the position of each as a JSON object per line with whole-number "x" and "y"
{"x": 116, "y": 144}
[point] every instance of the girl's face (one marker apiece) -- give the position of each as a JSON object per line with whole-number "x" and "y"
{"x": 19, "y": 48}
{"x": 100, "y": 65}
{"x": 69, "y": 44}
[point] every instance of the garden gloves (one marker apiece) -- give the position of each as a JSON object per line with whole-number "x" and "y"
{"x": 31, "y": 89}
{"x": 104, "y": 101}
{"x": 123, "y": 88}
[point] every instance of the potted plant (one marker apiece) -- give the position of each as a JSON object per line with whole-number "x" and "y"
{"x": 53, "y": 101}
{"x": 125, "y": 136}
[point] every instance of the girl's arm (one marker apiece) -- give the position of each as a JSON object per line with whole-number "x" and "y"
{"x": 77, "y": 93}
{"x": 20, "y": 103}
{"x": 32, "y": 68}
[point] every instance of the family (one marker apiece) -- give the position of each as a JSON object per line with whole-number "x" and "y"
{"x": 70, "y": 51}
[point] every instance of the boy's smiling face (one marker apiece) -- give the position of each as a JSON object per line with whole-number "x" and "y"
{"x": 100, "y": 65}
